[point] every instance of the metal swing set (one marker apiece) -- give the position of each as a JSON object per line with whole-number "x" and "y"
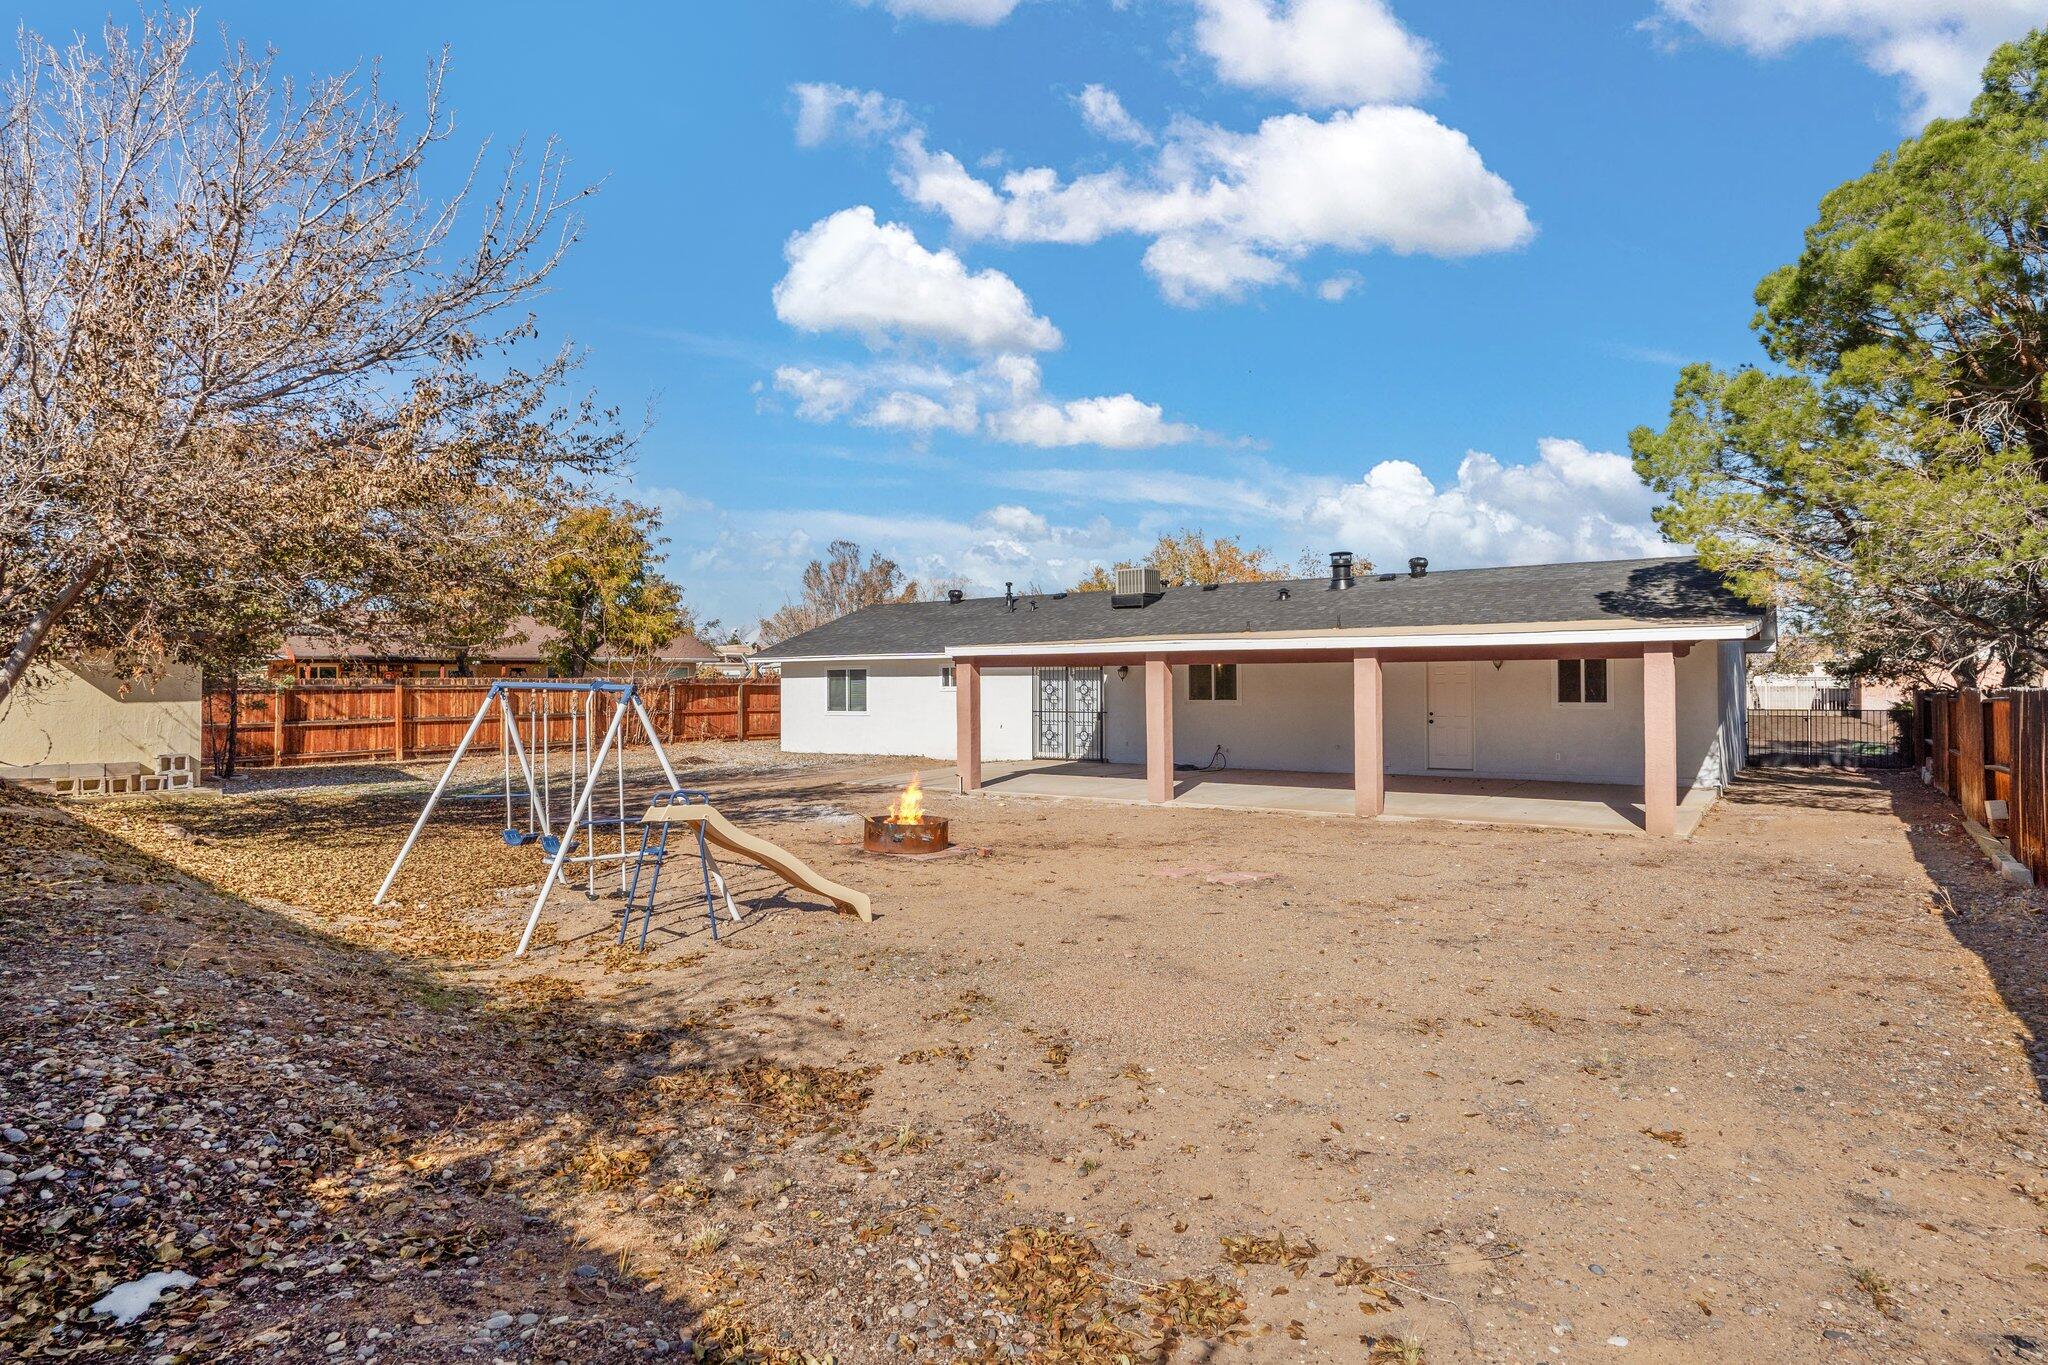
{"x": 526, "y": 748}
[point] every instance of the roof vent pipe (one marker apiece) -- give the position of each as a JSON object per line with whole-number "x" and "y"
{"x": 1340, "y": 570}
{"x": 1417, "y": 567}
{"x": 954, "y": 594}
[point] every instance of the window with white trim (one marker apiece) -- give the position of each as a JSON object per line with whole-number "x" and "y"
{"x": 1582, "y": 682}
{"x": 1212, "y": 682}
{"x": 846, "y": 689}
{"x": 946, "y": 679}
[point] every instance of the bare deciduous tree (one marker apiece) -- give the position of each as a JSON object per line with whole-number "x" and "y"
{"x": 836, "y": 585}
{"x": 243, "y": 357}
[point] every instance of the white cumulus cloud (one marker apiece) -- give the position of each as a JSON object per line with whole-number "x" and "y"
{"x": 849, "y": 273}
{"x": 1228, "y": 211}
{"x": 1001, "y": 399}
{"x": 1105, "y": 116}
{"x": 1121, "y": 422}
{"x": 1319, "y": 53}
{"x": 825, "y": 112}
{"x": 1571, "y": 503}
{"x": 820, "y": 397}
{"x": 1338, "y": 287}
{"x": 1937, "y": 47}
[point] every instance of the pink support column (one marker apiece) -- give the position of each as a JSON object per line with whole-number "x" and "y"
{"x": 1368, "y": 736}
{"x": 1660, "y": 740}
{"x": 967, "y": 722}
{"x": 1158, "y": 730}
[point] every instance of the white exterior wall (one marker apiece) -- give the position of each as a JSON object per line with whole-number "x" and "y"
{"x": 1297, "y": 718}
{"x": 910, "y": 712}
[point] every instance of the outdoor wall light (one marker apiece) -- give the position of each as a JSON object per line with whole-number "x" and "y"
{"x": 1122, "y": 671}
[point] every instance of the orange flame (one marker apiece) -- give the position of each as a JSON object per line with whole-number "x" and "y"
{"x": 908, "y": 808}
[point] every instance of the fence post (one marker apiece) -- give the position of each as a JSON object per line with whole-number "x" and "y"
{"x": 740, "y": 701}
{"x": 277, "y": 699}
{"x": 673, "y": 688}
{"x": 398, "y": 720}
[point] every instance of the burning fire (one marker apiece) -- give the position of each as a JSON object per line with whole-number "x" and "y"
{"x": 908, "y": 808}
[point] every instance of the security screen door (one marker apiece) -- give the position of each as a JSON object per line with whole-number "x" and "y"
{"x": 1066, "y": 714}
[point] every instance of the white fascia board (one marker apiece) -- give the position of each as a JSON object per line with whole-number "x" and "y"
{"x": 1209, "y": 644}
{"x": 847, "y": 658}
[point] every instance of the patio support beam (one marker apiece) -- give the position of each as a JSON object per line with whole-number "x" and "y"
{"x": 1660, "y": 740}
{"x": 967, "y": 723}
{"x": 1158, "y": 729}
{"x": 1368, "y": 736}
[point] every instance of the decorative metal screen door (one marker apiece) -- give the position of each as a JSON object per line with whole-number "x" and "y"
{"x": 1066, "y": 716}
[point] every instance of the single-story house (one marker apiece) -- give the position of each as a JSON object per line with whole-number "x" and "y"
{"x": 1626, "y": 672}
{"x": 519, "y": 653}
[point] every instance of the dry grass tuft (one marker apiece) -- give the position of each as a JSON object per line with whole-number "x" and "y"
{"x": 1878, "y": 1289}
{"x": 1394, "y": 1351}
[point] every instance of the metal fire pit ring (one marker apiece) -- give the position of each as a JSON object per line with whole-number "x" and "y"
{"x": 880, "y": 834}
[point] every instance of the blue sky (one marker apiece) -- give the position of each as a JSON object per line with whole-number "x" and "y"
{"x": 1324, "y": 273}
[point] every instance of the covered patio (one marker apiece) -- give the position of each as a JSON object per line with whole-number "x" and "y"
{"x": 1367, "y": 790}
{"x": 1593, "y": 807}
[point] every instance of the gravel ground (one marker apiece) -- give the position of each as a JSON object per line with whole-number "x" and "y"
{"x": 1130, "y": 1084}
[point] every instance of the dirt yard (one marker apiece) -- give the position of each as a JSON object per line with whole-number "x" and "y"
{"x": 1130, "y": 1085}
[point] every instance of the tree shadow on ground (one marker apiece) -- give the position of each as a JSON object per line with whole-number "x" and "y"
{"x": 329, "y": 1137}
{"x": 2004, "y": 924}
{"x": 1836, "y": 789}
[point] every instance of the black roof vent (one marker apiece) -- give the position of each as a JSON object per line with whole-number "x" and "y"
{"x": 1388, "y": 577}
{"x": 1340, "y": 570}
{"x": 1417, "y": 567}
{"x": 954, "y": 594}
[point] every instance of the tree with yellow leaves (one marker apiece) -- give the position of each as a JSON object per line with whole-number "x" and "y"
{"x": 1191, "y": 557}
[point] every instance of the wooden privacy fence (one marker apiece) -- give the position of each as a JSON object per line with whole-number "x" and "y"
{"x": 350, "y": 722}
{"x": 1989, "y": 750}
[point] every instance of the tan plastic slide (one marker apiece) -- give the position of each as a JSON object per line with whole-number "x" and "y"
{"x": 724, "y": 834}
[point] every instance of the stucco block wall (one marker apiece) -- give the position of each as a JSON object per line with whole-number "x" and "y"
{"x": 1297, "y": 718}
{"x": 910, "y": 712}
{"x": 75, "y": 713}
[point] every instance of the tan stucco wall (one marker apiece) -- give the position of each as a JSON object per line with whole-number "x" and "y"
{"x": 75, "y": 713}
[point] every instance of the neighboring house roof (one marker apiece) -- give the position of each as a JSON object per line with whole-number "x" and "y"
{"x": 1608, "y": 594}
{"x": 524, "y": 642}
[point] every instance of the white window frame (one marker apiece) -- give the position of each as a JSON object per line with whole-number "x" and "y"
{"x": 948, "y": 681}
{"x": 1581, "y": 704}
{"x": 1212, "y": 673}
{"x": 847, "y": 676}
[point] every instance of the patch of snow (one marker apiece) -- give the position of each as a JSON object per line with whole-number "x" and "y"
{"x": 127, "y": 1302}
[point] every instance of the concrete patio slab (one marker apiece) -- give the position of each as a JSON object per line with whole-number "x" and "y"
{"x": 1612, "y": 809}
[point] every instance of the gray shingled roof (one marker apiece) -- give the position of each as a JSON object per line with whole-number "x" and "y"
{"x": 1669, "y": 591}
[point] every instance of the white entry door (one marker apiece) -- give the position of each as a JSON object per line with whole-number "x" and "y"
{"x": 1450, "y": 715}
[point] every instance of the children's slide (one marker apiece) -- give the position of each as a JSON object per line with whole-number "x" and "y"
{"x": 724, "y": 834}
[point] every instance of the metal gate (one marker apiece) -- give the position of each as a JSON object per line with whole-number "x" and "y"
{"x": 1066, "y": 713}
{"x": 1830, "y": 739}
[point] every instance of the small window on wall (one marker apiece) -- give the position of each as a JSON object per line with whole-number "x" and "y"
{"x": 846, "y": 689}
{"x": 946, "y": 678}
{"x": 1212, "y": 682}
{"x": 1582, "y": 682}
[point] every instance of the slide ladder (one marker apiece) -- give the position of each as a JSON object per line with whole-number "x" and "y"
{"x": 693, "y": 810}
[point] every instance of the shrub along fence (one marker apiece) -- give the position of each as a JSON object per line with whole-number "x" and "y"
{"x": 353, "y": 722}
{"x": 1989, "y": 750}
